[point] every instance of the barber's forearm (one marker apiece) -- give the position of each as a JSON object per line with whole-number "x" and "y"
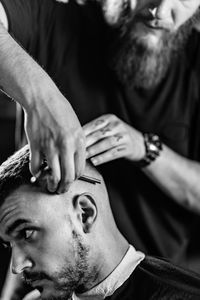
{"x": 21, "y": 77}
{"x": 52, "y": 127}
{"x": 178, "y": 177}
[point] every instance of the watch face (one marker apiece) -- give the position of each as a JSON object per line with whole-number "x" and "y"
{"x": 153, "y": 147}
{"x": 153, "y": 139}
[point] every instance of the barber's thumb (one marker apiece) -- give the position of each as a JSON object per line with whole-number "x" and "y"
{"x": 34, "y": 295}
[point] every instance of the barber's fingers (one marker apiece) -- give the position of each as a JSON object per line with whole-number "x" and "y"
{"x": 105, "y": 145}
{"x": 107, "y": 131}
{"x": 34, "y": 295}
{"x": 72, "y": 162}
{"x": 109, "y": 155}
{"x": 109, "y": 125}
{"x": 95, "y": 125}
{"x": 99, "y": 123}
{"x": 54, "y": 176}
{"x": 80, "y": 160}
{"x": 67, "y": 169}
{"x": 35, "y": 160}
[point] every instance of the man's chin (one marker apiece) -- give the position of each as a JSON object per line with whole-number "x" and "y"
{"x": 141, "y": 60}
{"x": 151, "y": 42}
{"x": 142, "y": 67}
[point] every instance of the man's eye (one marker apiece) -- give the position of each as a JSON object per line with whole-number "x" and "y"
{"x": 27, "y": 233}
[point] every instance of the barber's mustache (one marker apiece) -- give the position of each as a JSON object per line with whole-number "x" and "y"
{"x": 159, "y": 24}
{"x": 150, "y": 21}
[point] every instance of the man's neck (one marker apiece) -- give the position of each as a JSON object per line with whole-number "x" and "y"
{"x": 118, "y": 276}
{"x": 108, "y": 258}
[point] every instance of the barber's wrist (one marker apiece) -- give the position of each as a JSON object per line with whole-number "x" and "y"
{"x": 42, "y": 91}
{"x": 153, "y": 148}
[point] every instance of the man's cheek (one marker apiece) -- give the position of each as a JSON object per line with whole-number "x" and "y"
{"x": 113, "y": 9}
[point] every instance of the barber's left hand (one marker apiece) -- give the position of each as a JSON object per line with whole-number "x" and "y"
{"x": 109, "y": 138}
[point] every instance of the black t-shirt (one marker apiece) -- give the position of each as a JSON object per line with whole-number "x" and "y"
{"x": 68, "y": 41}
{"x": 155, "y": 279}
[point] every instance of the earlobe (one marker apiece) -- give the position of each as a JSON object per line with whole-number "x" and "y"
{"x": 87, "y": 210}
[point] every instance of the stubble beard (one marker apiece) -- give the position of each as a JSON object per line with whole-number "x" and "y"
{"x": 138, "y": 66}
{"x": 70, "y": 278}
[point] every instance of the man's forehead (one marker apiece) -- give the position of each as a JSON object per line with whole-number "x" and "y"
{"x": 29, "y": 203}
{"x": 20, "y": 194}
{"x": 12, "y": 210}
{"x": 24, "y": 200}
{"x": 14, "y": 203}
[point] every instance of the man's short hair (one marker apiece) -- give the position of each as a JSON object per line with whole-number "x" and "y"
{"x": 15, "y": 172}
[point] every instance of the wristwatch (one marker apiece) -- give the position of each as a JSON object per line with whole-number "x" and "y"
{"x": 153, "y": 148}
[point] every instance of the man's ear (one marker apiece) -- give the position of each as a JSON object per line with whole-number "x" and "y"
{"x": 87, "y": 210}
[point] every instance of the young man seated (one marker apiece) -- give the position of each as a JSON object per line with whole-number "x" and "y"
{"x": 67, "y": 246}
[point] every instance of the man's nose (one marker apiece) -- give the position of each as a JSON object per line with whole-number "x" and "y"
{"x": 164, "y": 10}
{"x": 19, "y": 260}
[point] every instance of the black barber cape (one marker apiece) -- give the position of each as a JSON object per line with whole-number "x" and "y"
{"x": 155, "y": 279}
{"x": 69, "y": 40}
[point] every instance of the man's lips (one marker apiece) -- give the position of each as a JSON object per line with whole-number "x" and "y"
{"x": 36, "y": 282}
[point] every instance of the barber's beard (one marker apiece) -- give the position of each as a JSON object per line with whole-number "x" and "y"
{"x": 70, "y": 278}
{"x": 136, "y": 64}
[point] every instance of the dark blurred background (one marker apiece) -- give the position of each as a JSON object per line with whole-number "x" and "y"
{"x": 7, "y": 147}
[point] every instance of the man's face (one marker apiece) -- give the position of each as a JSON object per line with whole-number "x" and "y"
{"x": 146, "y": 34}
{"x": 47, "y": 248}
{"x": 172, "y": 13}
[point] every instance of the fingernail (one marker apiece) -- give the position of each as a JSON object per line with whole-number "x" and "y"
{"x": 63, "y": 190}
{"x": 51, "y": 185}
{"x": 94, "y": 161}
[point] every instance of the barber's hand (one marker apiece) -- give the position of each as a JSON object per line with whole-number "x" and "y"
{"x": 109, "y": 138}
{"x": 54, "y": 132}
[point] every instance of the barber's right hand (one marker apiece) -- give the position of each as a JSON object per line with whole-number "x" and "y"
{"x": 54, "y": 132}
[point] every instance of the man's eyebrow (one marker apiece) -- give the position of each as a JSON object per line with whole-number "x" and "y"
{"x": 15, "y": 224}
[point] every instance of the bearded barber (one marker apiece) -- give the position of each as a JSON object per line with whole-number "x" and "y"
{"x": 130, "y": 70}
